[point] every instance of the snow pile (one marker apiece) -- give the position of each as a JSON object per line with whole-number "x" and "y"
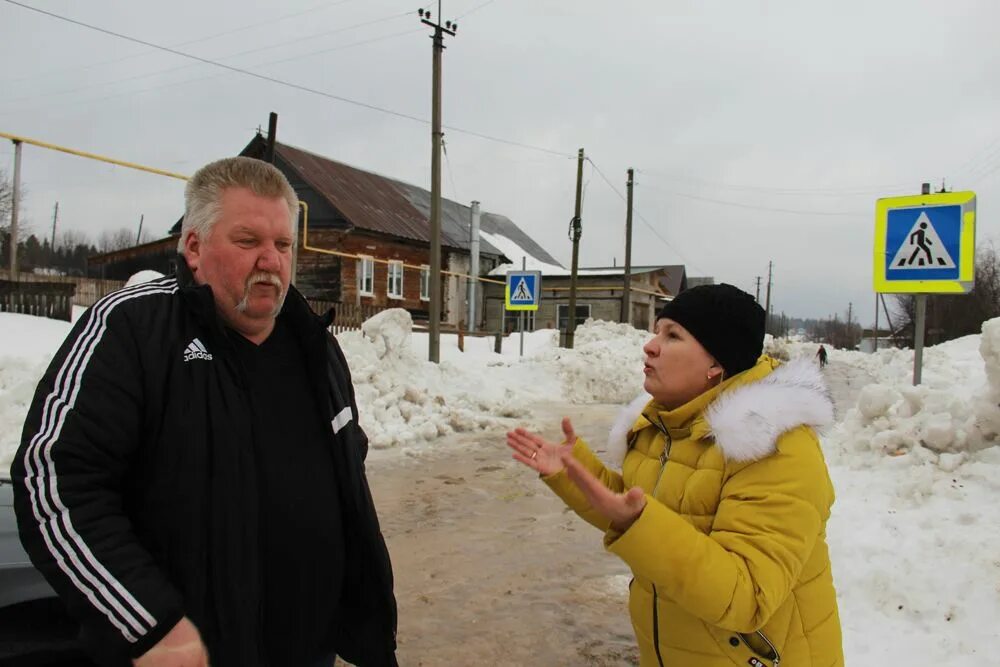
{"x": 26, "y": 347}
{"x": 988, "y": 402}
{"x": 143, "y": 277}
{"x": 604, "y": 366}
{"x": 404, "y": 400}
{"x": 778, "y": 348}
{"x": 944, "y": 420}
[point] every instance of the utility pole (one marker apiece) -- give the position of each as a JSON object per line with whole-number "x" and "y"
{"x": 850, "y": 334}
{"x": 758, "y": 290}
{"x": 767, "y": 307}
{"x": 434, "y": 339}
{"x": 627, "y": 288}
{"x": 15, "y": 201}
{"x": 55, "y": 217}
{"x": 470, "y": 323}
{"x": 575, "y": 232}
{"x": 138, "y": 236}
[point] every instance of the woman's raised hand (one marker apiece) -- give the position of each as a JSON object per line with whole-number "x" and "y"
{"x": 539, "y": 454}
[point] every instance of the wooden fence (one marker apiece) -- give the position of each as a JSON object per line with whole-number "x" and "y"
{"x": 88, "y": 290}
{"x": 42, "y": 299}
{"x": 347, "y": 316}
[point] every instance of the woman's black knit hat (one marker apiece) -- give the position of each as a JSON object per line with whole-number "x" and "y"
{"x": 727, "y": 322}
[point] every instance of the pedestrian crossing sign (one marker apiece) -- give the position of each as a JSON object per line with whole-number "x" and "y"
{"x": 523, "y": 290}
{"x": 926, "y": 244}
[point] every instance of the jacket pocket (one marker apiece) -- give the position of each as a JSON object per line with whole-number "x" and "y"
{"x": 753, "y": 649}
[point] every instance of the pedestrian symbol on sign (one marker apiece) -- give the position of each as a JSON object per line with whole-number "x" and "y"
{"x": 923, "y": 248}
{"x": 522, "y": 293}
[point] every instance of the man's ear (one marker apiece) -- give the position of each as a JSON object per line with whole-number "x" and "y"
{"x": 715, "y": 370}
{"x": 192, "y": 250}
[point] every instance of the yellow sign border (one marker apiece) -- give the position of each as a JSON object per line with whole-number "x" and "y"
{"x": 506, "y": 293}
{"x": 967, "y": 244}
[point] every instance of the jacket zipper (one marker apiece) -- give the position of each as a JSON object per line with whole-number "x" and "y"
{"x": 667, "y": 443}
{"x": 775, "y": 657}
{"x": 656, "y": 629}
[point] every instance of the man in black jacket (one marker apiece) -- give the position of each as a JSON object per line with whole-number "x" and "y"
{"x": 191, "y": 474}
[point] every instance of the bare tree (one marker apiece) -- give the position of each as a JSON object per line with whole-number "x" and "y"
{"x": 70, "y": 239}
{"x": 951, "y": 316}
{"x": 6, "y": 197}
{"x": 119, "y": 239}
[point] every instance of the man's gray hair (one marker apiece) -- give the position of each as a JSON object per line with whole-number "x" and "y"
{"x": 203, "y": 194}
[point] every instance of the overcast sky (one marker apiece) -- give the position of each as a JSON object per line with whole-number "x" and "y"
{"x": 759, "y": 130}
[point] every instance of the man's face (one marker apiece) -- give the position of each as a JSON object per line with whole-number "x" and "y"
{"x": 246, "y": 259}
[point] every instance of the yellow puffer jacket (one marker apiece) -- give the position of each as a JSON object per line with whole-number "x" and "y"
{"x": 729, "y": 556}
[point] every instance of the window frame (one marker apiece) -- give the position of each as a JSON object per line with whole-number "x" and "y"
{"x": 564, "y": 307}
{"x": 394, "y": 266}
{"x": 369, "y": 262}
{"x": 425, "y": 282}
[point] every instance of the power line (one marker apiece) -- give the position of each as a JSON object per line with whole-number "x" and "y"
{"x": 642, "y": 219}
{"x": 843, "y": 191}
{"x": 269, "y": 22}
{"x": 976, "y": 161}
{"x": 771, "y": 209}
{"x": 297, "y": 40}
{"x": 475, "y": 9}
{"x": 280, "y": 82}
{"x": 133, "y": 93}
{"x": 451, "y": 175}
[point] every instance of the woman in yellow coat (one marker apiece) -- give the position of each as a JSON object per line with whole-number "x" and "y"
{"x": 721, "y": 506}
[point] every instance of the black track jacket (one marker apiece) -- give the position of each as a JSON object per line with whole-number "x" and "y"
{"x": 136, "y": 483}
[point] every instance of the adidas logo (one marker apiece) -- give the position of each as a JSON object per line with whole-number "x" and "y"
{"x": 195, "y": 350}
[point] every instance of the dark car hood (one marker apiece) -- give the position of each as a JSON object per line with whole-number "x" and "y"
{"x": 19, "y": 580}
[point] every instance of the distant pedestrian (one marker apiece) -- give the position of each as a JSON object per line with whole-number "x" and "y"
{"x": 821, "y": 355}
{"x": 721, "y": 506}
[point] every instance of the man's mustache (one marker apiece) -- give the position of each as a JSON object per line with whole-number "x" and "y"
{"x": 263, "y": 277}
{"x": 258, "y": 277}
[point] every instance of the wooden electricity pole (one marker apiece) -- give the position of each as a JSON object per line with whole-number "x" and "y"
{"x": 627, "y": 287}
{"x": 575, "y": 232}
{"x": 434, "y": 337}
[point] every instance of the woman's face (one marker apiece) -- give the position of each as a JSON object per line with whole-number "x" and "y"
{"x": 677, "y": 368}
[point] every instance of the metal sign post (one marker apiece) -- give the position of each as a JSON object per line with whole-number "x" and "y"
{"x": 523, "y": 292}
{"x": 524, "y": 265}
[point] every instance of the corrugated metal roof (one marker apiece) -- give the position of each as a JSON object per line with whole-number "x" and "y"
{"x": 367, "y": 200}
{"x": 380, "y": 204}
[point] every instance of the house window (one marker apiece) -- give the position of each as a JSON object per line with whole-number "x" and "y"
{"x": 425, "y": 283}
{"x": 366, "y": 276}
{"x": 562, "y": 314}
{"x": 512, "y": 320}
{"x": 394, "y": 288}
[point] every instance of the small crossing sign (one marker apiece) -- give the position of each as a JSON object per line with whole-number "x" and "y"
{"x": 523, "y": 290}
{"x": 925, "y": 244}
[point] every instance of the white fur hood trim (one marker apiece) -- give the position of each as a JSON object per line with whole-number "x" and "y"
{"x": 747, "y": 421}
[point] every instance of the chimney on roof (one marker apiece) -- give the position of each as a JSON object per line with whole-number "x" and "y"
{"x": 272, "y": 135}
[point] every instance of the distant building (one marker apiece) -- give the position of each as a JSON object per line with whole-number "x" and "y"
{"x": 367, "y": 241}
{"x": 599, "y": 296}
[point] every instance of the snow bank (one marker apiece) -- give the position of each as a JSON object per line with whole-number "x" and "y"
{"x": 604, "y": 366}
{"x": 143, "y": 277}
{"x": 988, "y": 402}
{"x": 944, "y": 421}
{"x": 405, "y": 400}
{"x": 27, "y": 344}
